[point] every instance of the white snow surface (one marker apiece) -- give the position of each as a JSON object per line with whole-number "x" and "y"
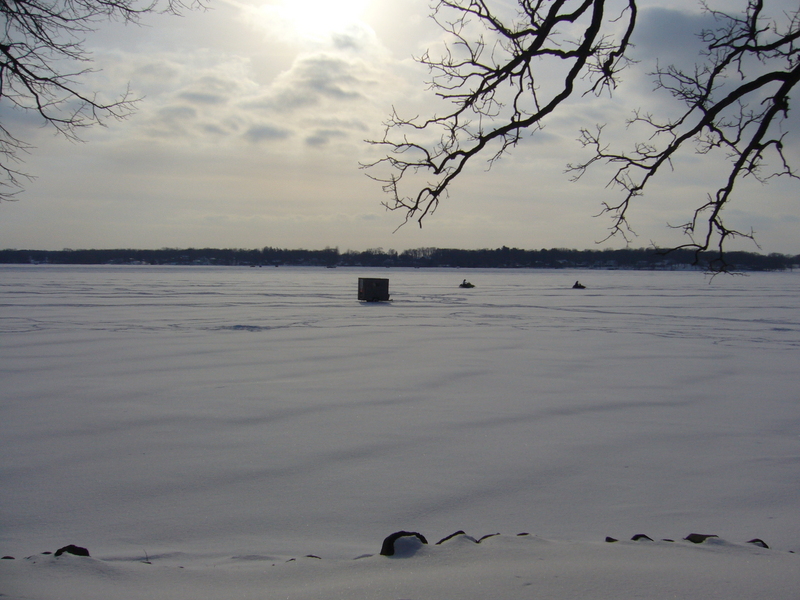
{"x": 223, "y": 423}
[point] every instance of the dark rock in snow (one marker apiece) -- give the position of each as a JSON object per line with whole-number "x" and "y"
{"x": 758, "y": 542}
{"x": 388, "y": 547}
{"x": 488, "y": 535}
{"x": 641, "y": 536}
{"x": 698, "y": 538}
{"x": 8, "y": 558}
{"x": 450, "y": 537}
{"x": 611, "y": 540}
{"x": 72, "y": 549}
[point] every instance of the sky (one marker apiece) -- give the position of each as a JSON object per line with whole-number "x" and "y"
{"x": 251, "y": 130}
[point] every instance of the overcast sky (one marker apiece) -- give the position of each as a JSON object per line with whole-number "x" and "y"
{"x": 251, "y": 130}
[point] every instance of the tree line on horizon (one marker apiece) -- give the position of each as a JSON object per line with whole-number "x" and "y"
{"x": 504, "y": 257}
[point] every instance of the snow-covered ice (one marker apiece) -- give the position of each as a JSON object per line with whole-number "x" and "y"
{"x": 222, "y": 420}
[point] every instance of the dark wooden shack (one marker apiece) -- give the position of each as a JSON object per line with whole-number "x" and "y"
{"x": 372, "y": 289}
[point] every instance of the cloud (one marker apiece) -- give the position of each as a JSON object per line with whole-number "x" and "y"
{"x": 354, "y": 38}
{"x": 301, "y": 95}
{"x": 203, "y": 98}
{"x": 170, "y": 122}
{"x": 670, "y": 36}
{"x": 316, "y": 78}
{"x": 211, "y": 90}
{"x": 322, "y": 137}
{"x": 153, "y": 76}
{"x": 213, "y": 101}
{"x": 262, "y": 133}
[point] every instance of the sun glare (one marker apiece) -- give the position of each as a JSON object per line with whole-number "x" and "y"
{"x": 319, "y": 19}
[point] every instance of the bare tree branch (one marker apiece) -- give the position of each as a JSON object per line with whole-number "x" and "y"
{"x": 42, "y": 55}
{"x": 491, "y": 82}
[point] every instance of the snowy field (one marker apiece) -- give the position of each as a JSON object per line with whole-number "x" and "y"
{"x": 219, "y": 422}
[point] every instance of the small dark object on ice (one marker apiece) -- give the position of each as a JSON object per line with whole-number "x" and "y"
{"x": 466, "y": 284}
{"x": 578, "y": 286}
{"x": 72, "y": 549}
{"x": 8, "y": 558}
{"x": 758, "y": 542}
{"x": 488, "y": 535}
{"x": 641, "y": 536}
{"x": 387, "y": 549}
{"x": 611, "y": 540}
{"x": 373, "y": 289}
{"x": 698, "y": 538}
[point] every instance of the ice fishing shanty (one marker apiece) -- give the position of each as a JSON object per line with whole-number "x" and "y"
{"x": 371, "y": 289}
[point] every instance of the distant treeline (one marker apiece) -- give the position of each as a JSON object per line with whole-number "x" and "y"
{"x": 509, "y": 258}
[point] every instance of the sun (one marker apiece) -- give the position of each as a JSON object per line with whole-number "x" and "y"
{"x": 319, "y": 19}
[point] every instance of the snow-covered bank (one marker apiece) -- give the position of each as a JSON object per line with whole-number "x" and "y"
{"x": 219, "y": 412}
{"x": 503, "y": 567}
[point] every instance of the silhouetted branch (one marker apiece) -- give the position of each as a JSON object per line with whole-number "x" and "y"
{"x": 491, "y": 81}
{"x": 41, "y": 53}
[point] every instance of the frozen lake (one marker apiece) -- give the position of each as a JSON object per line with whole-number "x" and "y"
{"x": 215, "y": 411}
